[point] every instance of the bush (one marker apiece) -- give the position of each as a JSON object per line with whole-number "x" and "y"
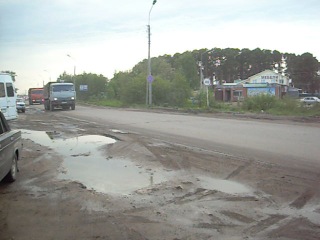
{"x": 287, "y": 106}
{"x": 259, "y": 103}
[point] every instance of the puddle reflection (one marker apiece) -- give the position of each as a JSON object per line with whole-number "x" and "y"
{"x": 222, "y": 185}
{"x": 84, "y": 162}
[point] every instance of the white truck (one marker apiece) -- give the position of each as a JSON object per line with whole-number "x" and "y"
{"x": 8, "y": 97}
{"x": 59, "y": 95}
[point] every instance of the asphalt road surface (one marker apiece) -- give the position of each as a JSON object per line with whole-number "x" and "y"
{"x": 285, "y": 142}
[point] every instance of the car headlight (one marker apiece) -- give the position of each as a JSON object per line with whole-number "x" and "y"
{"x": 72, "y": 98}
{"x": 55, "y": 99}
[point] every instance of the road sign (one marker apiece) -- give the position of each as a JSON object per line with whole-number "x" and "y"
{"x": 150, "y": 78}
{"x": 207, "y": 82}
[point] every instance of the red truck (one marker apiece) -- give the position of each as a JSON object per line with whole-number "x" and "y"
{"x": 35, "y": 95}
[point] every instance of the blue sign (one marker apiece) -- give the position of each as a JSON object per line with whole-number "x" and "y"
{"x": 150, "y": 78}
{"x": 83, "y": 88}
{"x": 257, "y": 91}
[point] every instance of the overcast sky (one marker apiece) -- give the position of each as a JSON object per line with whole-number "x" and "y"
{"x": 104, "y": 36}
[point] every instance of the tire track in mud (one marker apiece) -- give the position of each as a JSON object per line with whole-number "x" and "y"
{"x": 239, "y": 170}
{"x": 198, "y": 194}
{"x": 303, "y": 199}
{"x": 238, "y": 217}
{"x": 171, "y": 159}
{"x": 297, "y": 228}
{"x": 264, "y": 224}
{"x": 312, "y": 192}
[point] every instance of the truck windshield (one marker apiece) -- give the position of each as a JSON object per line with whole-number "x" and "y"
{"x": 62, "y": 88}
{"x": 37, "y": 92}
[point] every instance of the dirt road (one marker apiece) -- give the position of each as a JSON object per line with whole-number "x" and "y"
{"x": 73, "y": 185}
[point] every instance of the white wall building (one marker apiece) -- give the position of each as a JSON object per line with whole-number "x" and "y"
{"x": 268, "y": 76}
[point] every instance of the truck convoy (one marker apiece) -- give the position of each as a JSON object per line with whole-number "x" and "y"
{"x": 59, "y": 95}
{"x": 35, "y": 95}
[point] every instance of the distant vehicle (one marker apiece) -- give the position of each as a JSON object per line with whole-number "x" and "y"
{"x": 7, "y": 97}
{"x": 21, "y": 105}
{"x": 59, "y": 95}
{"x": 10, "y": 150}
{"x": 310, "y": 100}
{"x": 35, "y": 95}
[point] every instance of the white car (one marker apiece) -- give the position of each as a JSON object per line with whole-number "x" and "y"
{"x": 21, "y": 105}
{"x": 310, "y": 100}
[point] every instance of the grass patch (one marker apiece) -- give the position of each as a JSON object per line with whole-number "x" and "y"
{"x": 262, "y": 103}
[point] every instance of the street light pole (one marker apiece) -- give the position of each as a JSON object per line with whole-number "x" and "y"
{"x": 201, "y": 67}
{"x": 49, "y": 76}
{"x": 74, "y": 70}
{"x": 149, "y": 77}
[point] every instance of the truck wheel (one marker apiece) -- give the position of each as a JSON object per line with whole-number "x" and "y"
{"x": 12, "y": 174}
{"x": 73, "y": 107}
{"x": 51, "y": 107}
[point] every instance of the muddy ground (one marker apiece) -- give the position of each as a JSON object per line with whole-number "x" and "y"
{"x": 150, "y": 190}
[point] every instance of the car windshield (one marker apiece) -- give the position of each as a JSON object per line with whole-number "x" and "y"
{"x": 19, "y": 100}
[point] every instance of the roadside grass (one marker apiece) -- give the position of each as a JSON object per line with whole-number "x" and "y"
{"x": 280, "y": 107}
{"x": 258, "y": 104}
{"x": 106, "y": 103}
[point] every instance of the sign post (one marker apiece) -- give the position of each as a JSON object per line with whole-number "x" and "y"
{"x": 207, "y": 83}
{"x": 150, "y": 80}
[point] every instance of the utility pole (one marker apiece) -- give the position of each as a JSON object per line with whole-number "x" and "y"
{"x": 201, "y": 67}
{"x": 74, "y": 71}
{"x": 149, "y": 77}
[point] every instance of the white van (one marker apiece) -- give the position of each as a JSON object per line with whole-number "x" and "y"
{"x": 7, "y": 97}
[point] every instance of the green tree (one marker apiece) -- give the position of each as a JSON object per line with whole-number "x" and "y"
{"x": 160, "y": 90}
{"x": 134, "y": 91}
{"x": 118, "y": 83}
{"x": 97, "y": 85}
{"x": 176, "y": 75}
{"x": 186, "y": 65}
{"x": 162, "y": 68}
{"x": 64, "y": 77}
{"x": 179, "y": 92}
{"x": 304, "y": 72}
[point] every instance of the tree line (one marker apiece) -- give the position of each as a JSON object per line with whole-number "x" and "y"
{"x": 178, "y": 76}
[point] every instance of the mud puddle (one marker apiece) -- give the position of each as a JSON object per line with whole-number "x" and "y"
{"x": 84, "y": 162}
{"x": 226, "y": 186}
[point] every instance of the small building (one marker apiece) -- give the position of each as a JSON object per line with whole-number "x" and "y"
{"x": 268, "y": 76}
{"x": 266, "y": 82}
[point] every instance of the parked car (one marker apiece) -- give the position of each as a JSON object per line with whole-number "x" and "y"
{"x": 310, "y": 100}
{"x": 21, "y": 105}
{"x": 10, "y": 150}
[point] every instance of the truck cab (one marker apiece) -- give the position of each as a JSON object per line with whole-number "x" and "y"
{"x": 35, "y": 95}
{"x": 59, "y": 95}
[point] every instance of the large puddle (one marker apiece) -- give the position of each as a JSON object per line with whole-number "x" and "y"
{"x": 222, "y": 185}
{"x": 85, "y": 163}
